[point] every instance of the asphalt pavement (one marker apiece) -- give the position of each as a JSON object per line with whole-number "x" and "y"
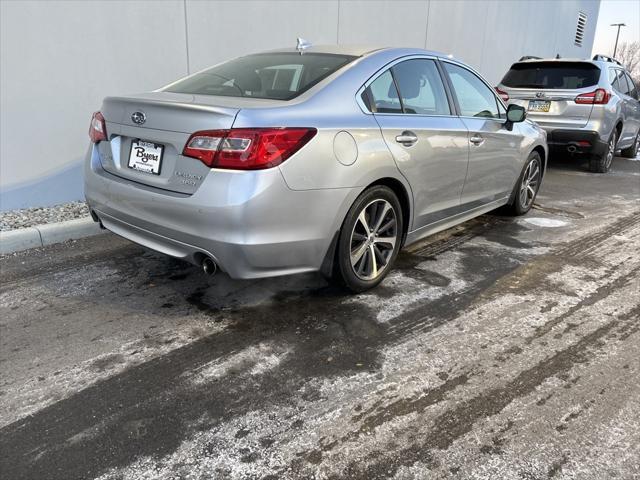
{"x": 505, "y": 348}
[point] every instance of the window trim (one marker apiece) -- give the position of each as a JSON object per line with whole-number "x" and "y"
{"x": 389, "y": 66}
{"x": 499, "y": 100}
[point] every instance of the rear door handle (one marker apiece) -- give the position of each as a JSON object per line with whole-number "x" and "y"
{"x": 407, "y": 138}
{"x": 477, "y": 140}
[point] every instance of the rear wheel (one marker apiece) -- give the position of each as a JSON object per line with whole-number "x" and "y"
{"x": 526, "y": 189}
{"x": 602, "y": 163}
{"x": 632, "y": 151}
{"x": 370, "y": 239}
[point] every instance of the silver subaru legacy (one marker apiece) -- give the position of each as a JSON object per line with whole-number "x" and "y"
{"x": 322, "y": 159}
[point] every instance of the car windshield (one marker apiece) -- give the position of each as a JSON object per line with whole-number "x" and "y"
{"x": 552, "y": 75}
{"x": 277, "y": 76}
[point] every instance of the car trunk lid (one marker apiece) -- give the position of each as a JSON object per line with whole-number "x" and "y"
{"x": 147, "y": 134}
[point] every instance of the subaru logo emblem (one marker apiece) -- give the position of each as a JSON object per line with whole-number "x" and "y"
{"x": 138, "y": 118}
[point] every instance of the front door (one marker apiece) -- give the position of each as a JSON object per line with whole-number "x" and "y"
{"x": 494, "y": 151}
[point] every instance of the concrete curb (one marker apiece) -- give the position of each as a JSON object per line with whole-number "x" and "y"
{"x": 47, "y": 234}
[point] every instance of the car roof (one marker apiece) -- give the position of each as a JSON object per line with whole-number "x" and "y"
{"x": 356, "y": 50}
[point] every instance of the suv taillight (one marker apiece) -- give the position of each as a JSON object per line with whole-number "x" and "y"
{"x": 503, "y": 95}
{"x": 97, "y": 128}
{"x": 597, "y": 97}
{"x": 247, "y": 148}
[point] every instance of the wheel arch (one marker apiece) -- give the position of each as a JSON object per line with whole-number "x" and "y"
{"x": 403, "y": 196}
{"x": 543, "y": 156}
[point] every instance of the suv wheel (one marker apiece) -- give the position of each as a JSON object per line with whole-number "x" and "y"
{"x": 602, "y": 164}
{"x": 526, "y": 189}
{"x": 632, "y": 151}
{"x": 370, "y": 239}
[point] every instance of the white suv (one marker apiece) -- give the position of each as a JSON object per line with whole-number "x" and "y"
{"x": 587, "y": 107}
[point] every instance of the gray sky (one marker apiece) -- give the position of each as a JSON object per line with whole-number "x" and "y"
{"x": 616, "y": 11}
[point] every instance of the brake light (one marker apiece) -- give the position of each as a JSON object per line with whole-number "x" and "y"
{"x": 597, "y": 97}
{"x": 503, "y": 95}
{"x": 97, "y": 128}
{"x": 247, "y": 148}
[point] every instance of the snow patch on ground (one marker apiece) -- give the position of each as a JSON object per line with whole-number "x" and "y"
{"x": 545, "y": 222}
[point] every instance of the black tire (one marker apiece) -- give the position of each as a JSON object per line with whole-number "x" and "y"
{"x": 381, "y": 201}
{"x": 602, "y": 163}
{"x": 632, "y": 151}
{"x": 530, "y": 179}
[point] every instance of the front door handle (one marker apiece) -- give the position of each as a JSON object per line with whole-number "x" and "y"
{"x": 407, "y": 138}
{"x": 477, "y": 140}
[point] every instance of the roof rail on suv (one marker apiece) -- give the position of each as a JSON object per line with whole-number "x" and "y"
{"x": 529, "y": 57}
{"x": 606, "y": 58}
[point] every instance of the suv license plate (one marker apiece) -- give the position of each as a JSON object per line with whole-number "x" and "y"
{"x": 146, "y": 156}
{"x": 539, "y": 106}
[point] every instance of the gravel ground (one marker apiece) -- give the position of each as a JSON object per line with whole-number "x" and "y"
{"x": 29, "y": 217}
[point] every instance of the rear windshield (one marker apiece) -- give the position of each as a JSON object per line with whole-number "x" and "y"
{"x": 552, "y": 75}
{"x": 277, "y": 76}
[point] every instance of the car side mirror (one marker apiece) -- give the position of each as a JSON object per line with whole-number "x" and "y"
{"x": 515, "y": 114}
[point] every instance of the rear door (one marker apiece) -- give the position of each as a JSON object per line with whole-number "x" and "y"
{"x": 629, "y": 106}
{"x": 494, "y": 153}
{"x": 547, "y": 90}
{"x": 428, "y": 142}
{"x": 147, "y": 135}
{"x": 634, "y": 106}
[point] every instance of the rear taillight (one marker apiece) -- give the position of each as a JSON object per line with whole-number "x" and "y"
{"x": 597, "y": 97}
{"x": 97, "y": 128}
{"x": 503, "y": 95}
{"x": 247, "y": 148}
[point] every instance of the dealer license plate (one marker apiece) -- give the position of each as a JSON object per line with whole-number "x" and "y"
{"x": 146, "y": 156}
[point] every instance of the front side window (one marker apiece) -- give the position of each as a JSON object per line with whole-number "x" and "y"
{"x": 421, "y": 88}
{"x": 474, "y": 97}
{"x": 383, "y": 95}
{"x": 276, "y": 76}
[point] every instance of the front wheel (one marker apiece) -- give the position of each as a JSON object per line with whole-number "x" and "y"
{"x": 370, "y": 239}
{"x": 526, "y": 189}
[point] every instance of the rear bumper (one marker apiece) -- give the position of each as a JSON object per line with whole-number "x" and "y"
{"x": 576, "y": 142}
{"x": 250, "y": 223}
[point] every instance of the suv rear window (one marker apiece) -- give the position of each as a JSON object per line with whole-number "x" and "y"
{"x": 276, "y": 76}
{"x": 552, "y": 75}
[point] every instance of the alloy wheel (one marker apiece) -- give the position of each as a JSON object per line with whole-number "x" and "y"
{"x": 373, "y": 239}
{"x": 529, "y": 184}
{"x": 611, "y": 150}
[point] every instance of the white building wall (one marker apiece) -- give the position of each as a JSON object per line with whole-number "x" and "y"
{"x": 60, "y": 58}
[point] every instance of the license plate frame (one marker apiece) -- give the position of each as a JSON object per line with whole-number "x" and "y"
{"x": 148, "y": 156}
{"x": 539, "y": 106}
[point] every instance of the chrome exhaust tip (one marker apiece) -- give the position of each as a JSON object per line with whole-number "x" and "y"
{"x": 209, "y": 266}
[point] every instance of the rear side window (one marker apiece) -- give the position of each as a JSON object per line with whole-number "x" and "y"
{"x": 276, "y": 76}
{"x": 421, "y": 88}
{"x": 633, "y": 89}
{"x": 474, "y": 97}
{"x": 552, "y": 75}
{"x": 384, "y": 95}
{"x": 620, "y": 82}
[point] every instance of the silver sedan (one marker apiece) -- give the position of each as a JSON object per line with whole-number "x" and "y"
{"x": 322, "y": 159}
